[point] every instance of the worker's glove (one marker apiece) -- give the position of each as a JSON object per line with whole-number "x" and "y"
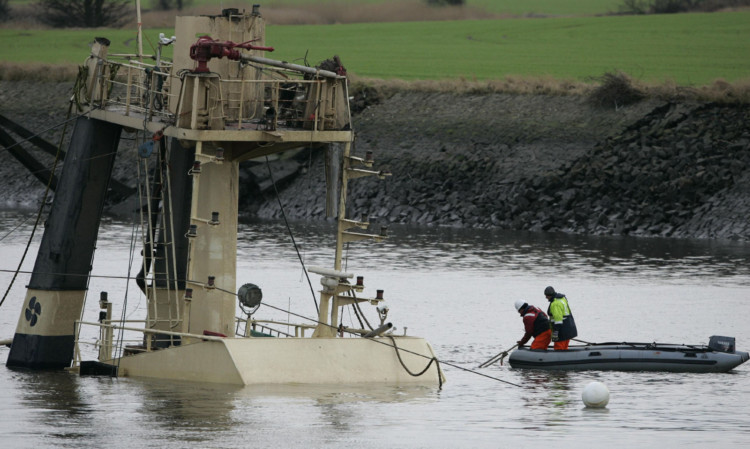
{"x": 520, "y": 345}
{"x": 555, "y": 336}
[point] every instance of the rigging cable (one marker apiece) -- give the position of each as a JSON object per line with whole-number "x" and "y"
{"x": 134, "y": 232}
{"x": 452, "y": 365}
{"x": 43, "y": 202}
{"x": 65, "y": 122}
{"x": 291, "y": 235}
{"x": 16, "y": 227}
{"x": 123, "y": 313}
{"x": 289, "y": 312}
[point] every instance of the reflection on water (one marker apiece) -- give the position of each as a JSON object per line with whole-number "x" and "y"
{"x": 194, "y": 413}
{"x": 411, "y": 248}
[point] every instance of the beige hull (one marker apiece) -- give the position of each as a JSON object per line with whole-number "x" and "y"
{"x": 249, "y": 361}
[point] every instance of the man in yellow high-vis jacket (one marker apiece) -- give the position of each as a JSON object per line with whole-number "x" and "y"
{"x": 561, "y": 319}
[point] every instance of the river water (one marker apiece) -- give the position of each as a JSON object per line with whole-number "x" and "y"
{"x": 454, "y": 287}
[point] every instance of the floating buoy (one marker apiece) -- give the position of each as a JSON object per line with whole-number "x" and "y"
{"x": 595, "y": 395}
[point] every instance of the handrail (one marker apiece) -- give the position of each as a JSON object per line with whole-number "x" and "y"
{"x": 282, "y": 323}
{"x": 131, "y": 88}
{"x": 299, "y": 329}
{"x": 153, "y": 331}
{"x": 271, "y": 330}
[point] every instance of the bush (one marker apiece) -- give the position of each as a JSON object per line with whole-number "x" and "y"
{"x": 167, "y": 5}
{"x": 4, "y": 10}
{"x": 446, "y": 2}
{"x": 676, "y": 6}
{"x": 83, "y": 13}
{"x": 615, "y": 90}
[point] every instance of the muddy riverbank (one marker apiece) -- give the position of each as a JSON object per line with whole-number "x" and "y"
{"x": 528, "y": 162}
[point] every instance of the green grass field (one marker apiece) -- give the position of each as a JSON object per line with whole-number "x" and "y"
{"x": 689, "y": 49}
{"x": 686, "y": 48}
{"x": 548, "y": 7}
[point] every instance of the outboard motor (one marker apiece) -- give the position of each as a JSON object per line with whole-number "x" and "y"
{"x": 721, "y": 344}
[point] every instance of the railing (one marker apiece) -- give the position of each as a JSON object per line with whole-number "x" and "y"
{"x": 110, "y": 347}
{"x": 105, "y": 343}
{"x": 245, "y": 326}
{"x": 136, "y": 89}
{"x": 139, "y": 88}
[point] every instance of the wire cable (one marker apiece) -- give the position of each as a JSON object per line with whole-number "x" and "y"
{"x": 41, "y": 206}
{"x": 289, "y": 312}
{"x": 48, "y": 129}
{"x": 16, "y": 227}
{"x": 291, "y": 235}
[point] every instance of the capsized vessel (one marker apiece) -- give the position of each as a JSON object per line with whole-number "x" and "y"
{"x": 195, "y": 118}
{"x": 717, "y": 357}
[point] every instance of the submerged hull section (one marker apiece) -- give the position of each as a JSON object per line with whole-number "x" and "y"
{"x": 44, "y": 336}
{"x": 630, "y": 357}
{"x": 246, "y": 361}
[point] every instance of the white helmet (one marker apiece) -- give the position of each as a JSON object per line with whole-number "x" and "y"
{"x": 520, "y": 303}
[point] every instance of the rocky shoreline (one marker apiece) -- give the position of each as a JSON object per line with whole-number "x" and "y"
{"x": 555, "y": 164}
{"x": 522, "y": 162}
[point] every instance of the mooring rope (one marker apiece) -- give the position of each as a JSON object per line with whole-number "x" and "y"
{"x": 452, "y": 365}
{"x": 433, "y": 359}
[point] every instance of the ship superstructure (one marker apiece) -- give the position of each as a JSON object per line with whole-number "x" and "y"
{"x": 220, "y": 101}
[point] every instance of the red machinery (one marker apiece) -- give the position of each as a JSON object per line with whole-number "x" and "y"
{"x": 207, "y": 48}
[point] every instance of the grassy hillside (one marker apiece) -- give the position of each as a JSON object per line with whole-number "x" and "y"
{"x": 689, "y": 49}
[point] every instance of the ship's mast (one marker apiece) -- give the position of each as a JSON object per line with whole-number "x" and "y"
{"x": 139, "y": 37}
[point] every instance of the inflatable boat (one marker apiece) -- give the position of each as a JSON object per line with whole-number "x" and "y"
{"x": 718, "y": 356}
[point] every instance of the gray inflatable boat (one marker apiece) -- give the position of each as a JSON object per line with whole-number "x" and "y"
{"x": 718, "y": 356}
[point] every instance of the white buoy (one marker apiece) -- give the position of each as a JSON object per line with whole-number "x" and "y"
{"x": 595, "y": 395}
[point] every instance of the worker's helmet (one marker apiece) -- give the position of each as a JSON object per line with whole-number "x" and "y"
{"x": 549, "y": 291}
{"x": 520, "y": 304}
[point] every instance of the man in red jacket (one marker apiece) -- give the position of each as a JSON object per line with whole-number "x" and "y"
{"x": 536, "y": 324}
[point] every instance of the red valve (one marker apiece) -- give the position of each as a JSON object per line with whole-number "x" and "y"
{"x": 206, "y": 48}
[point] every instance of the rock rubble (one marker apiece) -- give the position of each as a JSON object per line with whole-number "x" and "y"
{"x": 658, "y": 169}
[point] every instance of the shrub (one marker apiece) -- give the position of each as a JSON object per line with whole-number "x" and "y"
{"x": 446, "y": 2}
{"x": 167, "y": 5}
{"x": 83, "y": 13}
{"x": 615, "y": 90}
{"x": 676, "y": 6}
{"x": 4, "y": 10}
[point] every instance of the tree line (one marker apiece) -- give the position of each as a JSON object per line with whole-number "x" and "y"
{"x": 112, "y": 13}
{"x": 88, "y": 13}
{"x": 678, "y": 6}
